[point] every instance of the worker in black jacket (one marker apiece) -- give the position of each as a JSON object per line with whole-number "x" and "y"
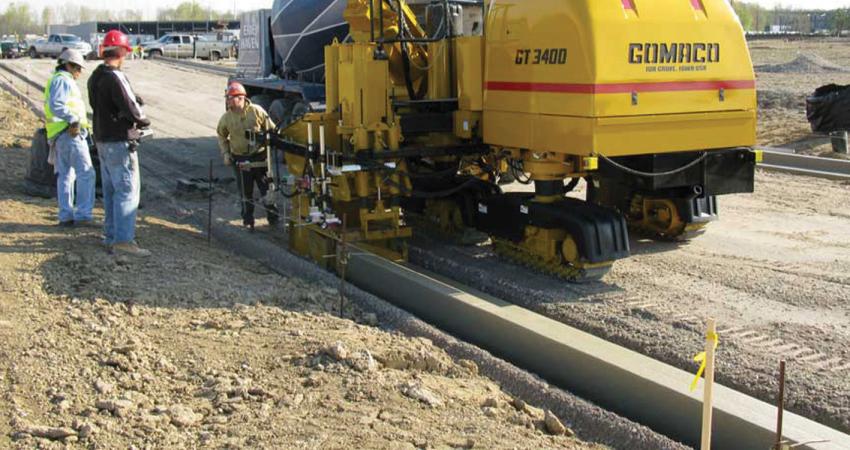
{"x": 118, "y": 120}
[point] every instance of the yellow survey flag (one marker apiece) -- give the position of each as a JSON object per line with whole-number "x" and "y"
{"x": 700, "y": 358}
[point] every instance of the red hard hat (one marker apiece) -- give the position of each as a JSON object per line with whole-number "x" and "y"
{"x": 235, "y": 89}
{"x": 116, "y": 38}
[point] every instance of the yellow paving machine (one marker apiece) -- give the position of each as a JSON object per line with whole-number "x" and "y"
{"x": 429, "y": 109}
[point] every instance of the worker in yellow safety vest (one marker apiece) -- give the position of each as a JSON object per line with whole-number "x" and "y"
{"x": 67, "y": 129}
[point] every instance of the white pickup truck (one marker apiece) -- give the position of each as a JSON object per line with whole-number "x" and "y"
{"x": 189, "y": 46}
{"x": 56, "y": 44}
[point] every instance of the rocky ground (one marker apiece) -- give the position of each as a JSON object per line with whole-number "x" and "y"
{"x": 196, "y": 347}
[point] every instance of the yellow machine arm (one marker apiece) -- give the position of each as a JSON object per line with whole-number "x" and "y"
{"x": 378, "y": 21}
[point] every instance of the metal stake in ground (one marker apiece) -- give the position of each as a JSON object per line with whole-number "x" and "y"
{"x": 209, "y": 207}
{"x": 780, "y": 405}
{"x": 343, "y": 261}
{"x": 242, "y": 198}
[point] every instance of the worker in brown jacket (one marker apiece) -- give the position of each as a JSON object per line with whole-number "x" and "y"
{"x": 237, "y": 130}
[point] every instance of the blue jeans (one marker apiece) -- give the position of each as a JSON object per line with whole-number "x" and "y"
{"x": 119, "y": 173}
{"x": 75, "y": 170}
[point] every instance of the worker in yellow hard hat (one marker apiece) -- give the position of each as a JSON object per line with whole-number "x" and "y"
{"x": 238, "y": 132}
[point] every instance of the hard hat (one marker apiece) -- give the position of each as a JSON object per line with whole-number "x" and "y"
{"x": 115, "y": 38}
{"x": 235, "y": 89}
{"x": 73, "y": 56}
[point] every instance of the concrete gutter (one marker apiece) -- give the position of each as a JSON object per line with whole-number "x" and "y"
{"x": 628, "y": 383}
{"x": 781, "y": 160}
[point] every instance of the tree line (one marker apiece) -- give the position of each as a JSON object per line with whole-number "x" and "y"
{"x": 760, "y": 19}
{"x": 21, "y": 19}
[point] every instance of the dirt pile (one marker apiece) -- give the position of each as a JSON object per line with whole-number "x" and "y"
{"x": 777, "y": 99}
{"x": 17, "y": 122}
{"x": 805, "y": 63}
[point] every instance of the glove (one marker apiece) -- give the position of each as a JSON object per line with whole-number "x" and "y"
{"x": 140, "y": 101}
{"x": 228, "y": 160}
{"x": 144, "y": 123}
{"x": 74, "y": 129}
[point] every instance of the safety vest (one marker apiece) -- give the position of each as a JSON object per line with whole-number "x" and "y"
{"x": 75, "y": 103}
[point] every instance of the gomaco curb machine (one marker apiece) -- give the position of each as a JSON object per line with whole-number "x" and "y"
{"x": 397, "y": 115}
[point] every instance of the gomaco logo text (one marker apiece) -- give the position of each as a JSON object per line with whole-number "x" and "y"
{"x": 674, "y": 53}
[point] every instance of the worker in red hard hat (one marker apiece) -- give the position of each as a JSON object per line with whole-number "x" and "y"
{"x": 119, "y": 122}
{"x": 240, "y": 139}
{"x": 235, "y": 89}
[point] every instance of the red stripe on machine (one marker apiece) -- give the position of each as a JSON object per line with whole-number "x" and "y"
{"x": 620, "y": 88}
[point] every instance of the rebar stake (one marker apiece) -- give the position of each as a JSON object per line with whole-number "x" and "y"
{"x": 209, "y": 206}
{"x": 343, "y": 262}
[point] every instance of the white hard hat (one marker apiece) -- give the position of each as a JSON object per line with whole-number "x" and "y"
{"x": 73, "y": 56}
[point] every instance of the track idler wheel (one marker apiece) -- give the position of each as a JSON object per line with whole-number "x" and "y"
{"x": 660, "y": 218}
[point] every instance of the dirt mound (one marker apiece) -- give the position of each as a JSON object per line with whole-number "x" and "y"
{"x": 781, "y": 99}
{"x": 809, "y": 63}
{"x": 17, "y": 122}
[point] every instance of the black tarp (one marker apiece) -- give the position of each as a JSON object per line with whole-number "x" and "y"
{"x": 828, "y": 109}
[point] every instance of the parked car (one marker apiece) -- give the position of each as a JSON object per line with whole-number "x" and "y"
{"x": 11, "y": 49}
{"x": 188, "y": 46}
{"x": 56, "y": 43}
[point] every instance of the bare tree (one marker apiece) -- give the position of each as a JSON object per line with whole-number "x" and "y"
{"x": 18, "y": 19}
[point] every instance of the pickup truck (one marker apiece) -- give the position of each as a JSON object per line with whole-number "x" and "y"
{"x": 188, "y": 46}
{"x": 56, "y": 43}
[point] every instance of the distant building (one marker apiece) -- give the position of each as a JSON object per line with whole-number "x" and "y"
{"x": 148, "y": 29}
{"x": 821, "y": 22}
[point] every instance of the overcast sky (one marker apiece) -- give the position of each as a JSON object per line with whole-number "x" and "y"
{"x": 149, "y": 7}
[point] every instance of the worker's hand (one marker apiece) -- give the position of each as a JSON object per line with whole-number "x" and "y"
{"x": 74, "y": 129}
{"x": 144, "y": 123}
{"x": 140, "y": 101}
{"x": 228, "y": 161}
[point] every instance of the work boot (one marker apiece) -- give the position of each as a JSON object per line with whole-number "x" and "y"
{"x": 272, "y": 216}
{"x": 130, "y": 249}
{"x": 66, "y": 224}
{"x": 248, "y": 223}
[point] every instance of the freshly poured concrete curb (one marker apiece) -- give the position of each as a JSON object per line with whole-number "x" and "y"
{"x": 626, "y": 382}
